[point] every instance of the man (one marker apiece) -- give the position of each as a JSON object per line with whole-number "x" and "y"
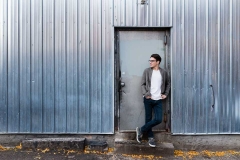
{"x": 155, "y": 87}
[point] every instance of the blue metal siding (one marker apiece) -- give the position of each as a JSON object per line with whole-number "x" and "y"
{"x": 56, "y": 63}
{"x": 56, "y": 73}
{"x": 205, "y": 51}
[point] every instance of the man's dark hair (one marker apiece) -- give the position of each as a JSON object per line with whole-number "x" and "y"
{"x": 157, "y": 57}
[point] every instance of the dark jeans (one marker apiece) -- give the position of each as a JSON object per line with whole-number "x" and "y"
{"x": 156, "y": 107}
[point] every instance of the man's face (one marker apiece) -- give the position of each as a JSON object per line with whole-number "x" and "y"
{"x": 153, "y": 62}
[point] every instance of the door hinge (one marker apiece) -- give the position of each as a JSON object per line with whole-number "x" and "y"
{"x": 165, "y": 39}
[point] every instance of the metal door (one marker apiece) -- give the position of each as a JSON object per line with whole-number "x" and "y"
{"x": 135, "y": 49}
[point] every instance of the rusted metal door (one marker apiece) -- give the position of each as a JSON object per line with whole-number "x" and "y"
{"x": 135, "y": 49}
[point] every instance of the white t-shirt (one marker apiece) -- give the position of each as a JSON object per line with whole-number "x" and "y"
{"x": 156, "y": 82}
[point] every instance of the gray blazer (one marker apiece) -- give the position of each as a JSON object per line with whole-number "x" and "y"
{"x": 146, "y": 82}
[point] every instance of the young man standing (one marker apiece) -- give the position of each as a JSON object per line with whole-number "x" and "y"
{"x": 155, "y": 87}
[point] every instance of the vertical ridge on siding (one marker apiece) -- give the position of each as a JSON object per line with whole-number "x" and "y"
{"x": 231, "y": 69}
{"x": 182, "y": 60}
{"x": 36, "y": 67}
{"x": 129, "y": 12}
{"x": 166, "y": 13}
{"x": 186, "y": 40}
{"x": 95, "y": 65}
{"x": 171, "y": 12}
{"x": 217, "y": 108}
{"x": 104, "y": 31}
{"x": 213, "y": 45}
{"x": 110, "y": 78}
{"x": 189, "y": 66}
{"x": 83, "y": 65}
{"x": 99, "y": 72}
{"x": 173, "y": 72}
{"x": 162, "y": 12}
{"x": 176, "y": 69}
{"x": 235, "y": 66}
{"x": 202, "y": 67}
{"x": 48, "y": 65}
{"x": 71, "y": 60}
{"x": 151, "y": 13}
{"x": 224, "y": 67}
{"x": 159, "y": 12}
{"x": 24, "y": 67}
{"x": 195, "y": 66}
{"x": 207, "y": 83}
{"x": 237, "y": 48}
{"x": 107, "y": 93}
{"x": 13, "y": 66}
{"x": 141, "y": 14}
{"x": 3, "y": 65}
{"x": 60, "y": 66}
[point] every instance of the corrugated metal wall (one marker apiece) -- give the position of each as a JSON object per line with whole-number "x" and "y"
{"x": 56, "y": 63}
{"x": 205, "y": 35}
{"x": 56, "y": 66}
{"x": 132, "y": 13}
{"x": 205, "y": 38}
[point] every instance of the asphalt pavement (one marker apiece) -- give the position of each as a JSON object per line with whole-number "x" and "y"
{"x": 19, "y": 154}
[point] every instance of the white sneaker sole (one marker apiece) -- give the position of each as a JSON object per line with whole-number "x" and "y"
{"x": 152, "y": 145}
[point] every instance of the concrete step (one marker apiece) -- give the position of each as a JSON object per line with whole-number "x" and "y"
{"x": 54, "y": 143}
{"x": 134, "y": 148}
{"x": 97, "y": 145}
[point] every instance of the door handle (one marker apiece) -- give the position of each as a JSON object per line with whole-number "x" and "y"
{"x": 122, "y": 84}
{"x": 213, "y": 101}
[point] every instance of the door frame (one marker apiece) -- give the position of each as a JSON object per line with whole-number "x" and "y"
{"x": 117, "y": 71}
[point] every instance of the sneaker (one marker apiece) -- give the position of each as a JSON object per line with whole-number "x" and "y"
{"x": 151, "y": 142}
{"x": 138, "y": 135}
